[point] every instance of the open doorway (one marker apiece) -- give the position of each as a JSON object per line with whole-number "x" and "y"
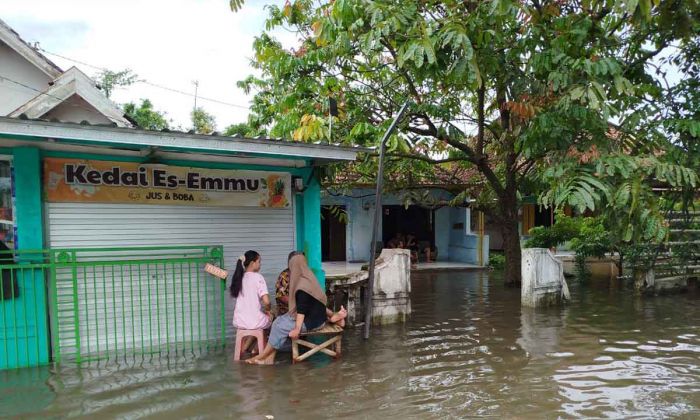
{"x": 332, "y": 235}
{"x": 544, "y": 216}
{"x": 414, "y": 220}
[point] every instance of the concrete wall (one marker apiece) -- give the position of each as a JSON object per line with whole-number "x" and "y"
{"x": 463, "y": 244}
{"x": 358, "y": 234}
{"x": 443, "y": 227}
{"x": 14, "y": 66}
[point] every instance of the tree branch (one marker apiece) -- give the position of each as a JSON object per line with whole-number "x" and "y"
{"x": 480, "y": 121}
{"x": 427, "y": 159}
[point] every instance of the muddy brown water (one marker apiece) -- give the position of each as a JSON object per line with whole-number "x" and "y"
{"x": 468, "y": 350}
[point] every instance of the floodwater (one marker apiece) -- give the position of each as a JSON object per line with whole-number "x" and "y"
{"x": 468, "y": 350}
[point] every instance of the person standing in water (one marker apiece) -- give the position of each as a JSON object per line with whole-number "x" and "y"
{"x": 307, "y": 311}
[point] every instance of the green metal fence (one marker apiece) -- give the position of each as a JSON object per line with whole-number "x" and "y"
{"x": 107, "y": 303}
{"x": 23, "y": 322}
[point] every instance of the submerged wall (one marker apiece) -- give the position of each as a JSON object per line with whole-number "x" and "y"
{"x": 543, "y": 282}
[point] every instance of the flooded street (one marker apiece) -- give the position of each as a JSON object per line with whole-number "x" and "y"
{"x": 468, "y": 350}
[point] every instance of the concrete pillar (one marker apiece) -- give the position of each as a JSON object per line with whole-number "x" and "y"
{"x": 29, "y": 211}
{"x": 312, "y": 229}
{"x": 543, "y": 282}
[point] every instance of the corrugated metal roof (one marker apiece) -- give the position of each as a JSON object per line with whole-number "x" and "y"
{"x": 111, "y": 136}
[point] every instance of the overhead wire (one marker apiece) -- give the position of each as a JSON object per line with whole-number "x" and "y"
{"x": 149, "y": 83}
{"x": 41, "y": 92}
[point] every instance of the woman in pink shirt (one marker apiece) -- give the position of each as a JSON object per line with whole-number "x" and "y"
{"x": 252, "y": 310}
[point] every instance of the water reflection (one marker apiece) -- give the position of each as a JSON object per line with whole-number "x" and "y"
{"x": 468, "y": 350}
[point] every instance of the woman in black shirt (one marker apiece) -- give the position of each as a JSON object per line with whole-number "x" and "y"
{"x": 307, "y": 311}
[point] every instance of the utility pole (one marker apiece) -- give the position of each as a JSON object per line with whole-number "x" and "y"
{"x": 196, "y": 87}
{"x": 377, "y": 214}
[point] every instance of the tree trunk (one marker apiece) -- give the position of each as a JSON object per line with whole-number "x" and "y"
{"x": 511, "y": 235}
{"x": 511, "y": 246}
{"x": 620, "y": 264}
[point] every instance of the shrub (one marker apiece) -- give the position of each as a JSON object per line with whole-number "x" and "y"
{"x": 565, "y": 229}
{"x": 497, "y": 261}
{"x": 587, "y": 237}
{"x": 592, "y": 240}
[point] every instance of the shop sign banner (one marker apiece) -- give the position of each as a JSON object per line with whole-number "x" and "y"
{"x": 94, "y": 181}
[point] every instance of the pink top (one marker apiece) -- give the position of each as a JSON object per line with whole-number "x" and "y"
{"x": 248, "y": 313}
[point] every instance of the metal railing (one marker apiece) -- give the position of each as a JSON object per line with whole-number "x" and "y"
{"x": 23, "y": 329}
{"x": 107, "y": 303}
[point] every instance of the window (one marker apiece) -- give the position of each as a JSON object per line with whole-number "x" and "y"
{"x": 7, "y": 211}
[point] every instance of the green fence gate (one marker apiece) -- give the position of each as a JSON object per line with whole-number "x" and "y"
{"x": 23, "y": 324}
{"x": 107, "y": 303}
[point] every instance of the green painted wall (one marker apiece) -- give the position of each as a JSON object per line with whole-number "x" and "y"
{"x": 29, "y": 212}
{"x": 299, "y": 208}
{"x": 24, "y": 338}
{"x": 312, "y": 228}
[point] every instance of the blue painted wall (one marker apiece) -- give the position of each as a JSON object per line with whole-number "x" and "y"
{"x": 463, "y": 246}
{"x": 442, "y": 232}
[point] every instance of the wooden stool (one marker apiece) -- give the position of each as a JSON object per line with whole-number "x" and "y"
{"x": 334, "y": 342}
{"x": 240, "y": 334}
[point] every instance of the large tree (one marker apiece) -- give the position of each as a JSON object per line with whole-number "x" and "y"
{"x": 502, "y": 86}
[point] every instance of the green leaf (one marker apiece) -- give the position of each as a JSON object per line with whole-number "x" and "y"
{"x": 592, "y": 99}
{"x": 236, "y": 5}
{"x": 475, "y": 69}
{"x": 418, "y": 56}
{"x": 629, "y": 230}
{"x": 429, "y": 51}
{"x": 576, "y": 93}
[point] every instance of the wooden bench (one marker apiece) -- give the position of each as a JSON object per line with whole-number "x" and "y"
{"x": 330, "y": 347}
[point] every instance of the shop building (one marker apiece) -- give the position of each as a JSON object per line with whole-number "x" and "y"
{"x": 91, "y": 187}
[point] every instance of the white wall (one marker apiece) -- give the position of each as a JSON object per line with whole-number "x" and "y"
{"x": 75, "y": 109}
{"x": 14, "y": 66}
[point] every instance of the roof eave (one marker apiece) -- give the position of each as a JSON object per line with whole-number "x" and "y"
{"x": 12, "y": 38}
{"x": 195, "y": 143}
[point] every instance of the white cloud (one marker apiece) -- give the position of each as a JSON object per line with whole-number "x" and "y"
{"x": 167, "y": 42}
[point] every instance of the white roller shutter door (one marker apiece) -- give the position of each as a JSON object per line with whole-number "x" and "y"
{"x": 268, "y": 231}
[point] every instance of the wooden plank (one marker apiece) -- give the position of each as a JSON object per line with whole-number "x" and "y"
{"x": 327, "y": 329}
{"x": 312, "y": 346}
{"x": 295, "y": 351}
{"x": 317, "y": 348}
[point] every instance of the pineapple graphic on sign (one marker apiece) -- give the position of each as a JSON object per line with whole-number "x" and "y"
{"x": 275, "y": 192}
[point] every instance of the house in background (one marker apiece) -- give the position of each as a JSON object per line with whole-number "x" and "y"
{"x": 33, "y": 87}
{"x": 459, "y": 233}
{"x": 450, "y": 228}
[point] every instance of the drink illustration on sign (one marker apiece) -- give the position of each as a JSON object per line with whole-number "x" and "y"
{"x": 74, "y": 180}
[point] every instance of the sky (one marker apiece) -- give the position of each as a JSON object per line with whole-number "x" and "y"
{"x": 170, "y": 43}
